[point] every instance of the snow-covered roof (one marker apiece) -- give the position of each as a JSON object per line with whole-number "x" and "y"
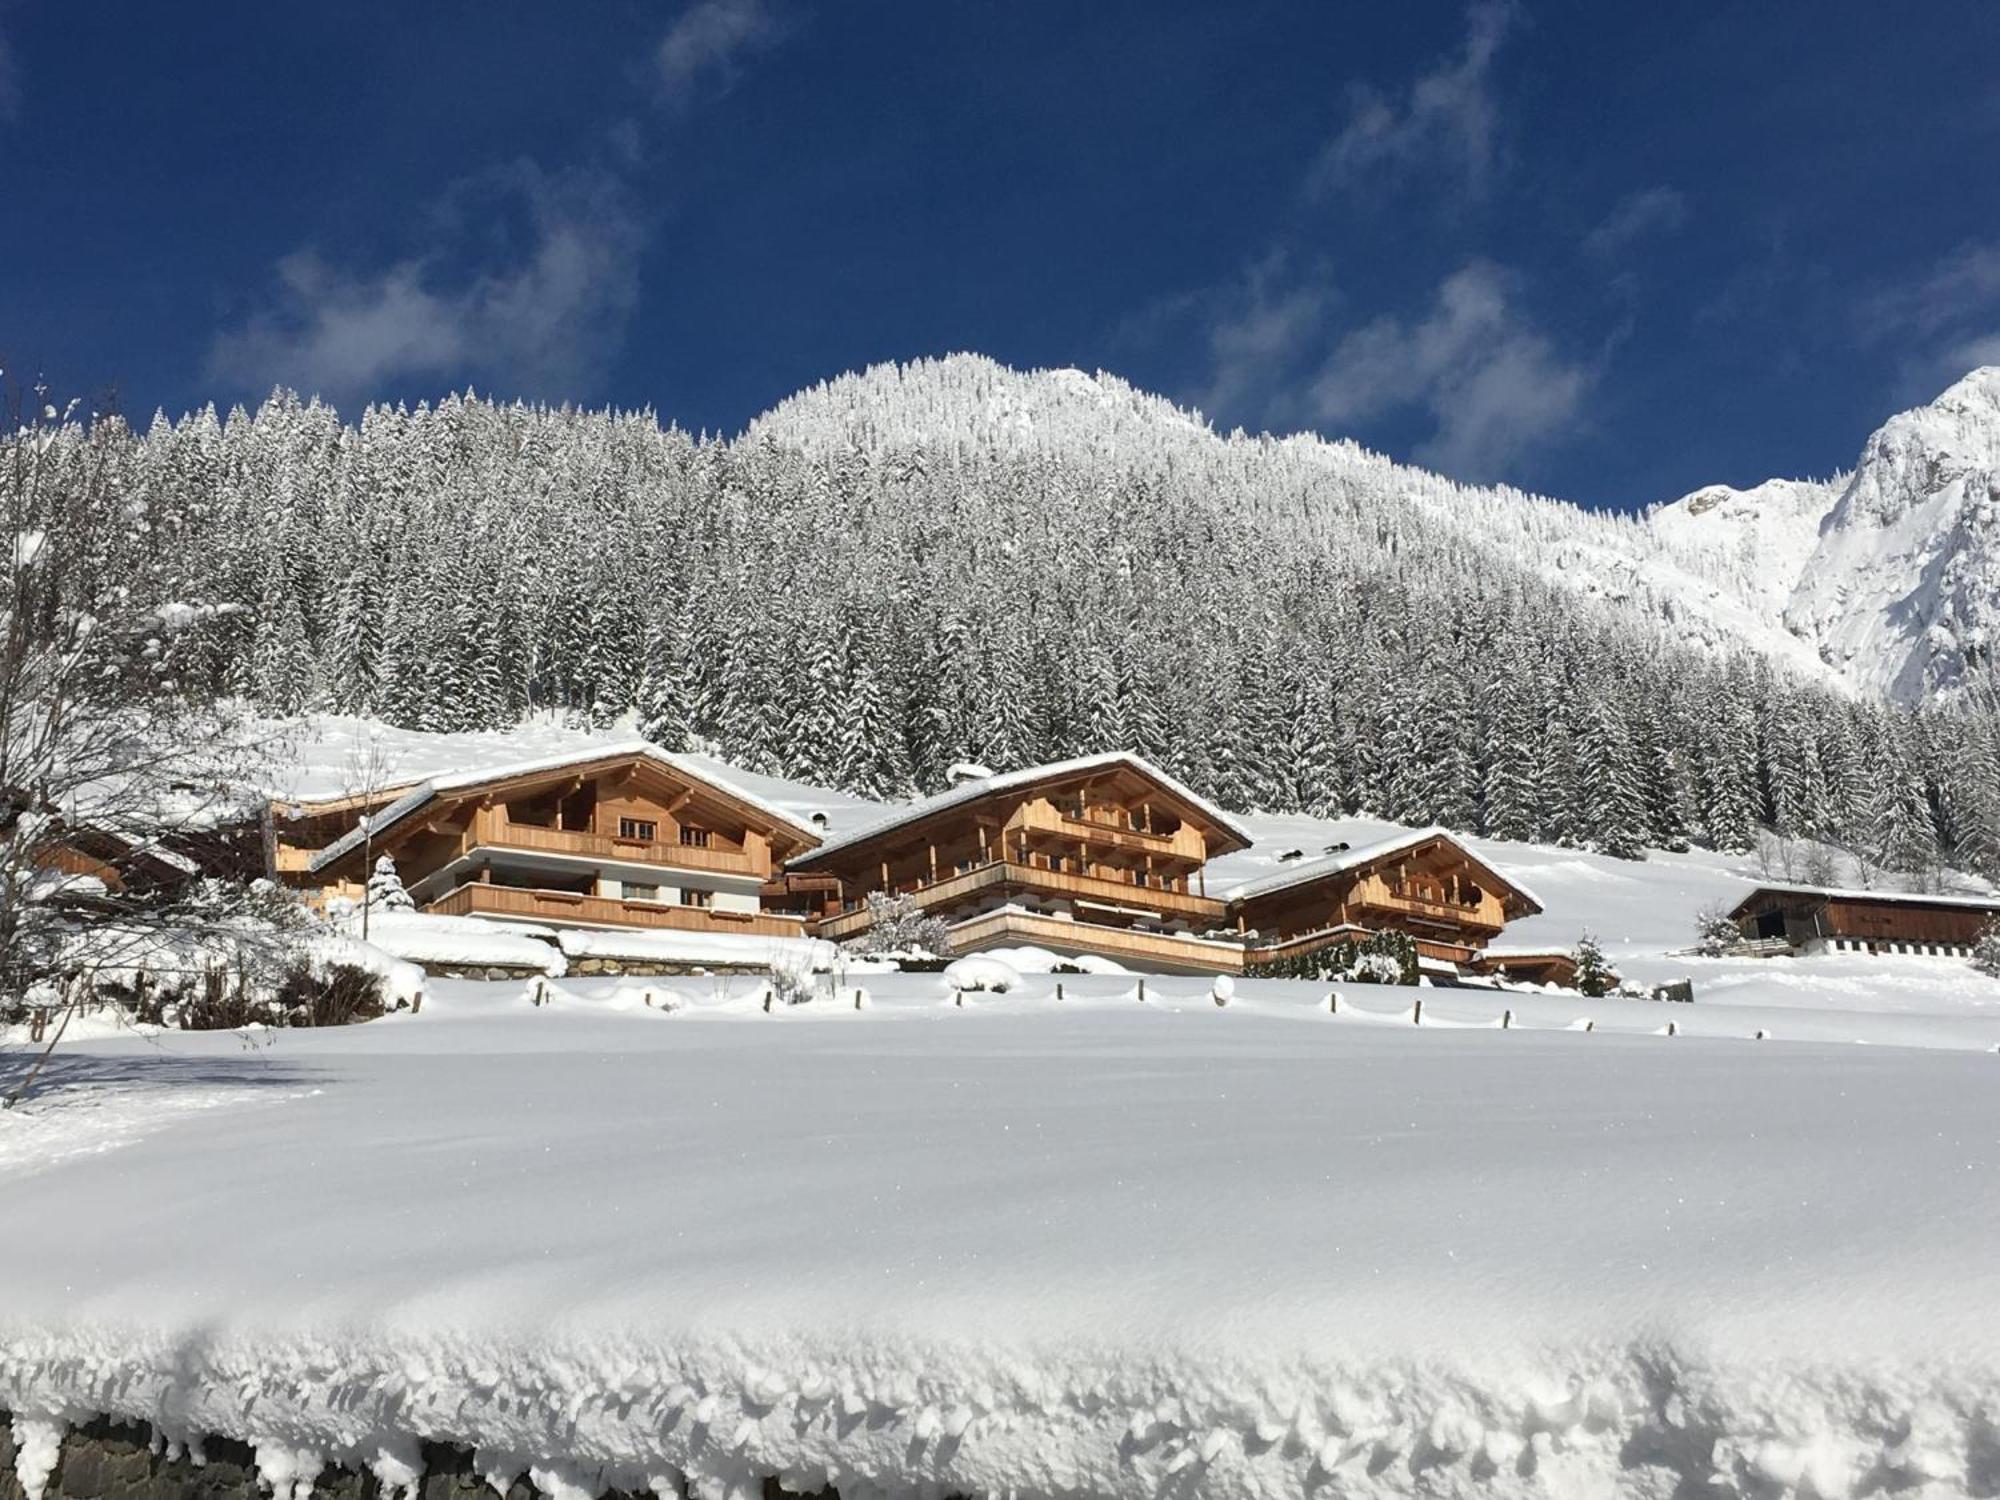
{"x": 985, "y": 786}
{"x": 435, "y": 786}
{"x": 1367, "y": 854}
{"x": 1837, "y": 893}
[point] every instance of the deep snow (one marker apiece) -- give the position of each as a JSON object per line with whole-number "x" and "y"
{"x": 1092, "y": 1246}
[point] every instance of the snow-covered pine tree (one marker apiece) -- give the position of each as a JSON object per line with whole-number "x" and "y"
{"x": 1986, "y": 951}
{"x": 385, "y": 887}
{"x": 1593, "y": 977}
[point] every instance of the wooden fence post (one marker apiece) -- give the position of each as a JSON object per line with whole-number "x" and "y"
{"x": 1417, "y": 1012}
{"x": 1506, "y": 1020}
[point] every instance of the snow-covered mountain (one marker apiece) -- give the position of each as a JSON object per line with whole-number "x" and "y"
{"x": 1890, "y": 574}
{"x": 1884, "y": 581}
{"x": 1902, "y": 591}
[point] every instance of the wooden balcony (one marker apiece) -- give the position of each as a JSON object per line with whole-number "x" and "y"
{"x": 1374, "y": 894}
{"x": 1184, "y": 843}
{"x": 517, "y": 903}
{"x": 1148, "y": 951}
{"x": 1004, "y": 874}
{"x": 490, "y": 830}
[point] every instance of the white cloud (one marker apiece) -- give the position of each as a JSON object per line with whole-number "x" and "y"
{"x": 1493, "y": 384}
{"x": 1636, "y": 216}
{"x": 1449, "y": 114}
{"x": 1947, "y": 322}
{"x": 1257, "y": 332}
{"x": 543, "y": 320}
{"x": 709, "y": 36}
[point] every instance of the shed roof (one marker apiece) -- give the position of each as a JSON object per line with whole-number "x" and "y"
{"x": 1368, "y": 854}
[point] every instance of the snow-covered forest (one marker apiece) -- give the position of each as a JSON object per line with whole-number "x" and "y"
{"x": 952, "y": 562}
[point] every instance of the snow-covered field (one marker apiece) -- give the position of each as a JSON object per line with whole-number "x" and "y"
{"x": 1090, "y": 1246}
{"x": 1095, "y": 1245}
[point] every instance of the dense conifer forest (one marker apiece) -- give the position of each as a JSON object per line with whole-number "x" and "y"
{"x": 860, "y": 593}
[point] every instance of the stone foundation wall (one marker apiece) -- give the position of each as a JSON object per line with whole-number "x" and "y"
{"x": 654, "y": 968}
{"x": 106, "y": 1460}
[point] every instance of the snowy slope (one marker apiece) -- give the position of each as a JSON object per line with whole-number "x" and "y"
{"x": 1753, "y": 544}
{"x": 1902, "y": 592}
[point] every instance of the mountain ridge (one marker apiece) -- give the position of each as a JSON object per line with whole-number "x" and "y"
{"x": 1784, "y": 566}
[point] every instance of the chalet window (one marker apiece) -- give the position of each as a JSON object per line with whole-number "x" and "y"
{"x": 694, "y": 838}
{"x": 638, "y": 828}
{"x": 697, "y": 898}
{"x": 641, "y": 892}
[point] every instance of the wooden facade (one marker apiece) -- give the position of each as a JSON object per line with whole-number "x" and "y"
{"x": 1100, "y": 855}
{"x": 1426, "y": 884}
{"x": 1813, "y": 919}
{"x": 624, "y": 837}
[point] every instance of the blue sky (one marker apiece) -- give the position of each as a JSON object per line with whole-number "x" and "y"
{"x": 1610, "y": 252}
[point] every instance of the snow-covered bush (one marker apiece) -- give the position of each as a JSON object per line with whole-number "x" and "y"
{"x": 789, "y": 981}
{"x": 982, "y": 974}
{"x": 1380, "y": 958}
{"x": 1593, "y": 975}
{"x": 897, "y": 925}
{"x": 1986, "y": 951}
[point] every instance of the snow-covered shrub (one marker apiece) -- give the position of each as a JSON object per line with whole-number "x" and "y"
{"x": 1593, "y": 976}
{"x": 789, "y": 981}
{"x": 982, "y": 974}
{"x": 897, "y": 925}
{"x": 1380, "y": 958}
{"x": 1986, "y": 951}
{"x": 1716, "y": 931}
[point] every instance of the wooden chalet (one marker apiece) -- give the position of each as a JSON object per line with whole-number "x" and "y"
{"x": 1426, "y": 884}
{"x": 1817, "y": 919}
{"x": 1102, "y": 855}
{"x": 621, "y": 836}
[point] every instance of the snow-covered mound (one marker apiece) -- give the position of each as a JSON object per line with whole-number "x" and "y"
{"x": 1903, "y": 590}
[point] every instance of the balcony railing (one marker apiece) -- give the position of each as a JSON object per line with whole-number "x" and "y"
{"x": 494, "y": 832}
{"x": 1005, "y": 873}
{"x": 476, "y": 900}
{"x": 1193, "y": 955}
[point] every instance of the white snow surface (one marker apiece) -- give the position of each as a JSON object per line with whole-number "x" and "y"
{"x": 1088, "y": 1247}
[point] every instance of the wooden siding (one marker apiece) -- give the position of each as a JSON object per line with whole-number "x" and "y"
{"x": 1854, "y": 919}
{"x": 477, "y": 900}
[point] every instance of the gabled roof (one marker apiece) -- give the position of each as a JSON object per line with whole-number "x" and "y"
{"x": 427, "y": 791}
{"x": 1901, "y": 898}
{"x": 1368, "y": 854}
{"x": 979, "y": 788}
